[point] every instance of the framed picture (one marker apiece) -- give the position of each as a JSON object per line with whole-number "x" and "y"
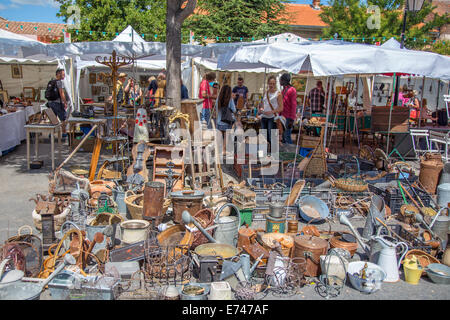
{"x": 16, "y": 71}
{"x": 29, "y": 93}
{"x": 92, "y": 78}
{"x": 100, "y": 77}
{"x": 105, "y": 90}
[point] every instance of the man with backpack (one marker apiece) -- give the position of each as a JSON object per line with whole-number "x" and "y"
{"x": 56, "y": 96}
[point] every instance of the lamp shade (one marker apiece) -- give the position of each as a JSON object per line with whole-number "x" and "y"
{"x": 415, "y": 5}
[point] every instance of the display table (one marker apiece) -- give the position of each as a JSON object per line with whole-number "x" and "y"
{"x": 44, "y": 129}
{"x": 11, "y": 129}
{"x": 73, "y": 122}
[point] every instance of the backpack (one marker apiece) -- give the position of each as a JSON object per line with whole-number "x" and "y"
{"x": 227, "y": 115}
{"x": 52, "y": 92}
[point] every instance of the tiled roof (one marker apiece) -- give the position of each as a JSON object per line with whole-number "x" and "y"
{"x": 33, "y": 28}
{"x": 303, "y": 15}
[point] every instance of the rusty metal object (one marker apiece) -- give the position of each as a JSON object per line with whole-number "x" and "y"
{"x": 310, "y": 248}
{"x": 247, "y": 241}
{"x": 430, "y": 169}
{"x": 153, "y": 200}
{"x": 186, "y": 200}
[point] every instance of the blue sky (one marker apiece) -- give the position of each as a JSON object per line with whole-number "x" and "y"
{"x": 45, "y": 10}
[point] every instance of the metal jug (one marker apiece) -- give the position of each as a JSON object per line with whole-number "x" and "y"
{"x": 384, "y": 254}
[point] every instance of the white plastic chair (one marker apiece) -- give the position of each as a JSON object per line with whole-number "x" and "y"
{"x": 416, "y": 134}
{"x": 447, "y": 100}
{"x": 440, "y": 138}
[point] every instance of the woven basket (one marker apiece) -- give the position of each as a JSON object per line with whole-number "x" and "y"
{"x": 104, "y": 173}
{"x": 350, "y": 184}
{"x": 424, "y": 258}
{"x": 135, "y": 210}
{"x": 206, "y": 219}
{"x": 58, "y": 220}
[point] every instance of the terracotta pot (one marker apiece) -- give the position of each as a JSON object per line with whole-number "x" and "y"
{"x": 99, "y": 186}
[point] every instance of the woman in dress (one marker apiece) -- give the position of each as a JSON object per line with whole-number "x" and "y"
{"x": 225, "y": 110}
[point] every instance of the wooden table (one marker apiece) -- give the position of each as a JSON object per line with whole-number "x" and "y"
{"x": 73, "y": 122}
{"x": 44, "y": 129}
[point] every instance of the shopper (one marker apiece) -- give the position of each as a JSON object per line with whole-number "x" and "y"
{"x": 289, "y": 106}
{"x": 225, "y": 110}
{"x": 240, "y": 91}
{"x": 316, "y": 98}
{"x": 205, "y": 93}
{"x": 56, "y": 96}
{"x": 272, "y": 105}
{"x": 184, "y": 91}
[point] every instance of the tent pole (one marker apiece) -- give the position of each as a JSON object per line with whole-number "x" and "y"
{"x": 390, "y": 116}
{"x": 330, "y": 90}
{"x": 421, "y": 101}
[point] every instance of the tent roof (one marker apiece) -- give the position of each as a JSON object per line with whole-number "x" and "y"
{"x": 331, "y": 58}
{"x": 4, "y": 34}
{"x": 282, "y": 38}
{"x": 129, "y": 35}
{"x": 391, "y": 43}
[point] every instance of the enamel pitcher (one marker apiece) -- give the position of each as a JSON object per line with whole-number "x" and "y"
{"x": 383, "y": 253}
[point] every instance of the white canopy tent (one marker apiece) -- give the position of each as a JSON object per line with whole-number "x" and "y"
{"x": 331, "y": 58}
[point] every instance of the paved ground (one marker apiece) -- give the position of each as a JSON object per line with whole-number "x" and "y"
{"x": 17, "y": 185}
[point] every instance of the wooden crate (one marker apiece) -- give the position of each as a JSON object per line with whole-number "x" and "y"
{"x": 161, "y": 156}
{"x": 308, "y": 141}
{"x": 399, "y": 119}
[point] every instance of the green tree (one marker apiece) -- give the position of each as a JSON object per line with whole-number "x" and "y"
{"x": 236, "y": 19}
{"x": 111, "y": 16}
{"x": 353, "y": 19}
{"x": 441, "y": 47}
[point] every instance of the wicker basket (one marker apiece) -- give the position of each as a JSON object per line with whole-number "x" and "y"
{"x": 424, "y": 258}
{"x": 206, "y": 219}
{"x": 104, "y": 173}
{"x": 135, "y": 210}
{"x": 350, "y": 184}
{"x": 58, "y": 219}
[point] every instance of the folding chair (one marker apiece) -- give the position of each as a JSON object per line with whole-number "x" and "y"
{"x": 447, "y": 100}
{"x": 416, "y": 135}
{"x": 440, "y": 138}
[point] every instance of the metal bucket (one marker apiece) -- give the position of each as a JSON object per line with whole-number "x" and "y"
{"x": 440, "y": 227}
{"x": 182, "y": 200}
{"x": 277, "y": 225}
{"x": 276, "y": 209}
{"x": 119, "y": 198}
{"x": 202, "y": 296}
{"x": 445, "y": 176}
{"x": 228, "y": 226}
{"x": 153, "y": 200}
{"x": 443, "y": 194}
{"x": 430, "y": 170}
{"x": 91, "y": 231}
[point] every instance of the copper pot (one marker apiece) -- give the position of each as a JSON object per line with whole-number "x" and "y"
{"x": 310, "y": 248}
{"x": 336, "y": 242}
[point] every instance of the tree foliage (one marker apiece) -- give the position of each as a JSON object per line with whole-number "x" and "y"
{"x": 237, "y": 18}
{"x": 349, "y": 19}
{"x": 111, "y": 16}
{"x": 441, "y": 47}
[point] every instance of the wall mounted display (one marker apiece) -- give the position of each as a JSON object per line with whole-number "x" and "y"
{"x": 16, "y": 71}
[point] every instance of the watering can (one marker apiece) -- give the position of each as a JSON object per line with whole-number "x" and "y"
{"x": 246, "y": 268}
{"x": 227, "y": 226}
{"x": 383, "y": 253}
{"x": 229, "y": 268}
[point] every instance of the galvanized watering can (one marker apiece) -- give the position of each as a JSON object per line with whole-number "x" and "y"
{"x": 227, "y": 226}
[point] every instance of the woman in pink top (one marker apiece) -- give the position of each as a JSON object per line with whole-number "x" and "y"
{"x": 289, "y": 106}
{"x": 403, "y": 96}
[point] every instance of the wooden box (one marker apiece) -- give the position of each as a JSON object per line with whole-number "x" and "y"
{"x": 399, "y": 119}
{"x": 308, "y": 141}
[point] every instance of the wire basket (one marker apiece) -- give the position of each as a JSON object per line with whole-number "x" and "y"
{"x": 350, "y": 184}
{"x": 169, "y": 264}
